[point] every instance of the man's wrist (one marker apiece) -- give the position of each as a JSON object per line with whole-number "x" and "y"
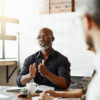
{"x": 25, "y": 79}
{"x": 47, "y": 74}
{"x": 30, "y": 76}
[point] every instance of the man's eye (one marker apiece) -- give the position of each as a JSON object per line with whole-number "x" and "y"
{"x": 44, "y": 36}
{"x": 38, "y": 37}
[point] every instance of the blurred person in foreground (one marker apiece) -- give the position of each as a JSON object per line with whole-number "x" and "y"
{"x": 47, "y": 66}
{"x": 91, "y": 27}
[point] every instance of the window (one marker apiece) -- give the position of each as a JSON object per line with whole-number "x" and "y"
{"x": 10, "y": 49}
{"x": 8, "y": 29}
{"x": 0, "y": 49}
{"x": 12, "y": 8}
{"x": 0, "y": 7}
{"x": 0, "y": 27}
{"x": 11, "y": 29}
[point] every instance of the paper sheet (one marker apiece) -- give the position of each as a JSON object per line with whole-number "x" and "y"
{"x": 44, "y": 87}
{"x": 37, "y": 98}
{"x": 3, "y": 97}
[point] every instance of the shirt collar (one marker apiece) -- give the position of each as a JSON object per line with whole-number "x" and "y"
{"x": 52, "y": 53}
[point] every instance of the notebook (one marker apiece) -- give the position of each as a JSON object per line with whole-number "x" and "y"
{"x": 14, "y": 89}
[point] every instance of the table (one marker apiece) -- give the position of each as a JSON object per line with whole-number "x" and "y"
{"x": 7, "y": 63}
{"x": 13, "y": 95}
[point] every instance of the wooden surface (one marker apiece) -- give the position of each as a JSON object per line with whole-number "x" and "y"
{"x": 9, "y": 62}
{"x": 13, "y": 95}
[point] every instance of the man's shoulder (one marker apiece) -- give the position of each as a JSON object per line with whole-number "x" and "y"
{"x": 62, "y": 58}
{"x": 32, "y": 56}
{"x": 60, "y": 55}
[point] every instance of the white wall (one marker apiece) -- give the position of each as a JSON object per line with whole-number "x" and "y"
{"x": 68, "y": 38}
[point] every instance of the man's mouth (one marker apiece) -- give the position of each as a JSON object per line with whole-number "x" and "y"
{"x": 42, "y": 44}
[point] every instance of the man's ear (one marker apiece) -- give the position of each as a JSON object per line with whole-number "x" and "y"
{"x": 53, "y": 38}
{"x": 87, "y": 22}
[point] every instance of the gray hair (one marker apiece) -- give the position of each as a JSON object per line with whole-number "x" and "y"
{"x": 92, "y": 8}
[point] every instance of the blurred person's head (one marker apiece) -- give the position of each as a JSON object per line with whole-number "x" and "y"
{"x": 45, "y": 38}
{"x": 91, "y": 23}
{"x": 90, "y": 45}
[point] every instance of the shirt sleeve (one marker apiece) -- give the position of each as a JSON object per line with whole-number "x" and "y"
{"x": 24, "y": 71}
{"x": 64, "y": 70}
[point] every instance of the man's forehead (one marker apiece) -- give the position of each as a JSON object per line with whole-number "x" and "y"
{"x": 44, "y": 33}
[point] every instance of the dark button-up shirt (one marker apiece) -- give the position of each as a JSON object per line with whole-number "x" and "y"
{"x": 55, "y": 63}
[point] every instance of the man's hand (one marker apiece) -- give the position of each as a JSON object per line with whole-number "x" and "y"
{"x": 32, "y": 70}
{"x": 45, "y": 96}
{"x": 51, "y": 92}
{"x": 42, "y": 69}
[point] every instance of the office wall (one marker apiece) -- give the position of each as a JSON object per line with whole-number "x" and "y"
{"x": 58, "y": 6}
{"x": 69, "y": 39}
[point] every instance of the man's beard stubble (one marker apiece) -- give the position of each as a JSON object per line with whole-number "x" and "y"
{"x": 46, "y": 47}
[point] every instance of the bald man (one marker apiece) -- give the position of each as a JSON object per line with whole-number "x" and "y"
{"x": 47, "y": 66}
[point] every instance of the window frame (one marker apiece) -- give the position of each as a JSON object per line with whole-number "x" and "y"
{"x": 3, "y": 35}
